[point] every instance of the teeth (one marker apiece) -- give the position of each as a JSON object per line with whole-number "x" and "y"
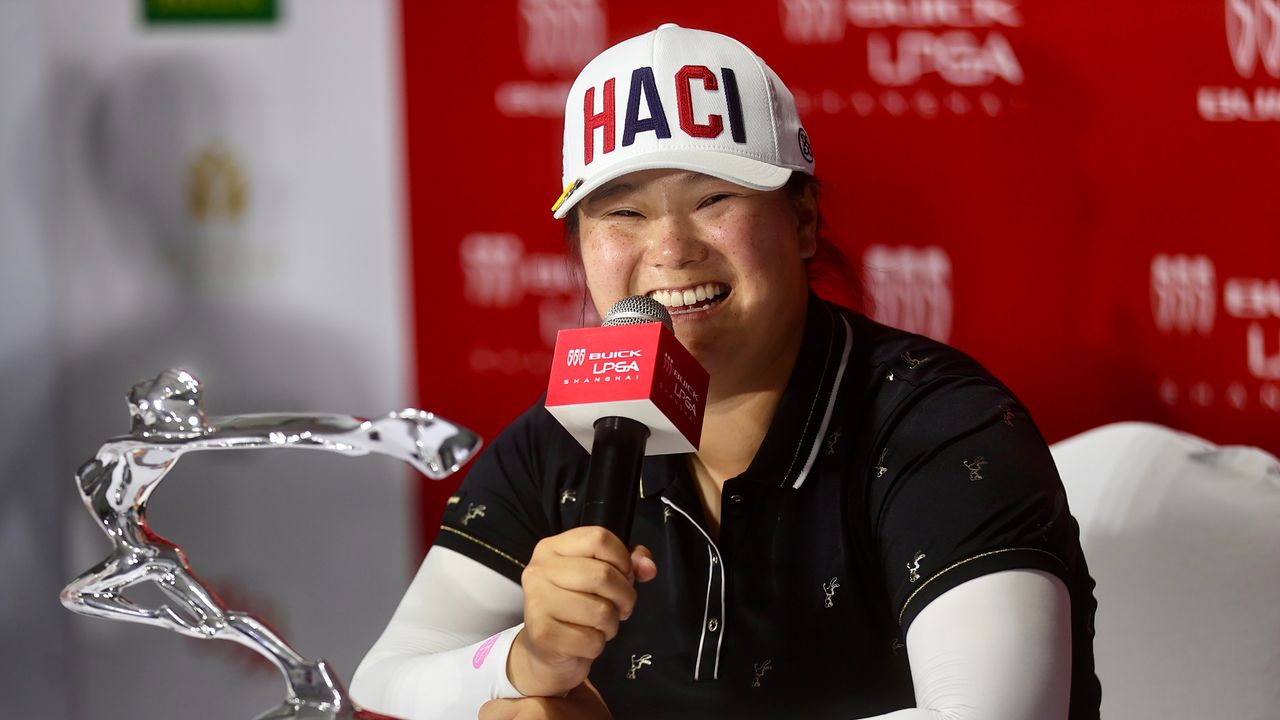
{"x": 681, "y": 298}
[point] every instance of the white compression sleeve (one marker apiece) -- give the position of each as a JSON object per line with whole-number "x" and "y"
{"x": 429, "y": 662}
{"x": 997, "y": 647}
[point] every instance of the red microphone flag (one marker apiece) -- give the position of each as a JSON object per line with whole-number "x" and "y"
{"x": 641, "y": 372}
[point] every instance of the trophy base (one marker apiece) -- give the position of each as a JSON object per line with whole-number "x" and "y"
{"x": 317, "y": 694}
{"x": 303, "y": 711}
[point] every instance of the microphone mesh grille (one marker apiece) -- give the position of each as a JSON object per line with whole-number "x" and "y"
{"x": 637, "y": 309}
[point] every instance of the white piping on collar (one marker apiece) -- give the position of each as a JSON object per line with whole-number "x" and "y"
{"x": 813, "y": 406}
{"x": 715, "y": 675}
{"x": 706, "y": 610}
{"x": 831, "y": 405}
{"x": 724, "y": 611}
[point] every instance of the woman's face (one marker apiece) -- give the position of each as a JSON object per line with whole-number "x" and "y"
{"x": 727, "y": 261}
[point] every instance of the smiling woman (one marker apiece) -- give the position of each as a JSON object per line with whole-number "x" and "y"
{"x": 829, "y": 270}
{"x": 872, "y": 525}
{"x": 668, "y": 233}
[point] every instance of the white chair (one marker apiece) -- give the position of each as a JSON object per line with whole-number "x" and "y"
{"x": 1183, "y": 539}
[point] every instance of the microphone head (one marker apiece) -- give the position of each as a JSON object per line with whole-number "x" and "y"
{"x": 635, "y": 310}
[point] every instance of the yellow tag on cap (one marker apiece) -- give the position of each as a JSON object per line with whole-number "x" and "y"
{"x": 568, "y": 190}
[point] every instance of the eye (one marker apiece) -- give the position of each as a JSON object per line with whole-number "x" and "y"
{"x": 623, "y": 213}
{"x": 713, "y": 199}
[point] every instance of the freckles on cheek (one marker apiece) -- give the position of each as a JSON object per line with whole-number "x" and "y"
{"x": 752, "y": 237}
{"x": 606, "y": 267}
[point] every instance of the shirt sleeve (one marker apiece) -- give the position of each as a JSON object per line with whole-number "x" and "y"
{"x": 509, "y": 499}
{"x": 964, "y": 486}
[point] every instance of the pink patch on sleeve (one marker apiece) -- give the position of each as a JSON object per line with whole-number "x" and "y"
{"x": 482, "y": 652}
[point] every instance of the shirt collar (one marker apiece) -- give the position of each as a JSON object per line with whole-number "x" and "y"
{"x": 791, "y": 443}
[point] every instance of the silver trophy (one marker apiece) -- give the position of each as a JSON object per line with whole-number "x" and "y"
{"x": 168, "y": 421}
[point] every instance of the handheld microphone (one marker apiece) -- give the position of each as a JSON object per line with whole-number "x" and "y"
{"x": 625, "y": 390}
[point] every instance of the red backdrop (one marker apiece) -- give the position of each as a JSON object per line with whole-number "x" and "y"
{"x": 1081, "y": 195}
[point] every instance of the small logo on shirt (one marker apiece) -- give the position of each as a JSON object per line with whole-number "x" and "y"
{"x": 913, "y": 363}
{"x": 832, "y": 439}
{"x": 473, "y": 511}
{"x": 568, "y": 496}
{"x": 913, "y": 567}
{"x": 666, "y": 514}
{"x": 637, "y": 663}
{"x": 974, "y": 466}
{"x": 881, "y": 469}
{"x": 1044, "y": 529}
{"x": 760, "y": 670}
{"x": 829, "y": 589}
{"x": 1006, "y": 415}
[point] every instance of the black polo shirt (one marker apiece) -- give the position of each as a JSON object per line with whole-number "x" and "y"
{"x": 895, "y": 469}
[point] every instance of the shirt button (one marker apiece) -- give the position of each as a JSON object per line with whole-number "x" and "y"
{"x": 713, "y": 625}
{"x": 735, "y": 498}
{"x": 714, "y": 560}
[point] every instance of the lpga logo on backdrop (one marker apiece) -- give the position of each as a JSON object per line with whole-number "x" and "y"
{"x": 560, "y": 36}
{"x": 961, "y": 42}
{"x": 499, "y": 274}
{"x": 910, "y": 288}
{"x": 1184, "y": 301}
{"x": 1183, "y": 294}
{"x": 557, "y": 37}
{"x": 492, "y": 263}
{"x": 1253, "y": 34}
{"x": 812, "y": 22}
{"x": 1253, "y": 41}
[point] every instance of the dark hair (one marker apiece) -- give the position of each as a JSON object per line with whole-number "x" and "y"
{"x": 830, "y": 273}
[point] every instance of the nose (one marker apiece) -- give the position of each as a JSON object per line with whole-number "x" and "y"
{"x": 675, "y": 244}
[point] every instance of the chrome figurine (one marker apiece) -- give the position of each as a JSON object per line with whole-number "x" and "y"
{"x": 168, "y": 421}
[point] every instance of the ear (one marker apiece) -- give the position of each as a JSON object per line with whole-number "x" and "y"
{"x": 806, "y": 207}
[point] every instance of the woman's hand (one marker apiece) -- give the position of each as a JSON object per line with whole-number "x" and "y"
{"x": 582, "y": 703}
{"x": 578, "y": 586}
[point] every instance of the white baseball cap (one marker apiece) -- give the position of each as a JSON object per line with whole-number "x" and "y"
{"x": 679, "y": 98}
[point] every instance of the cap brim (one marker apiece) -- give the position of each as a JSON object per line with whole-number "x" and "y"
{"x": 744, "y": 171}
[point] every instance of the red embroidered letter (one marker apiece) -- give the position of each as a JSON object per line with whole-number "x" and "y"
{"x": 602, "y": 119}
{"x": 687, "y": 74}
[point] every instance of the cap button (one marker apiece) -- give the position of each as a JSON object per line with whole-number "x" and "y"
{"x": 664, "y": 26}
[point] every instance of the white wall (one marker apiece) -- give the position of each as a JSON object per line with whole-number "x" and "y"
{"x": 34, "y": 643}
{"x": 292, "y": 300}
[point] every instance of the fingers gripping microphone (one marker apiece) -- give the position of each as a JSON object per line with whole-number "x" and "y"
{"x": 625, "y": 390}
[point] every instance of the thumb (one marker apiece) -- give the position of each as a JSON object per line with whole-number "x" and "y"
{"x": 499, "y": 710}
{"x": 643, "y": 568}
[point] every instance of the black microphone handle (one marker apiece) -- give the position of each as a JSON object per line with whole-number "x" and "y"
{"x": 613, "y": 480}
